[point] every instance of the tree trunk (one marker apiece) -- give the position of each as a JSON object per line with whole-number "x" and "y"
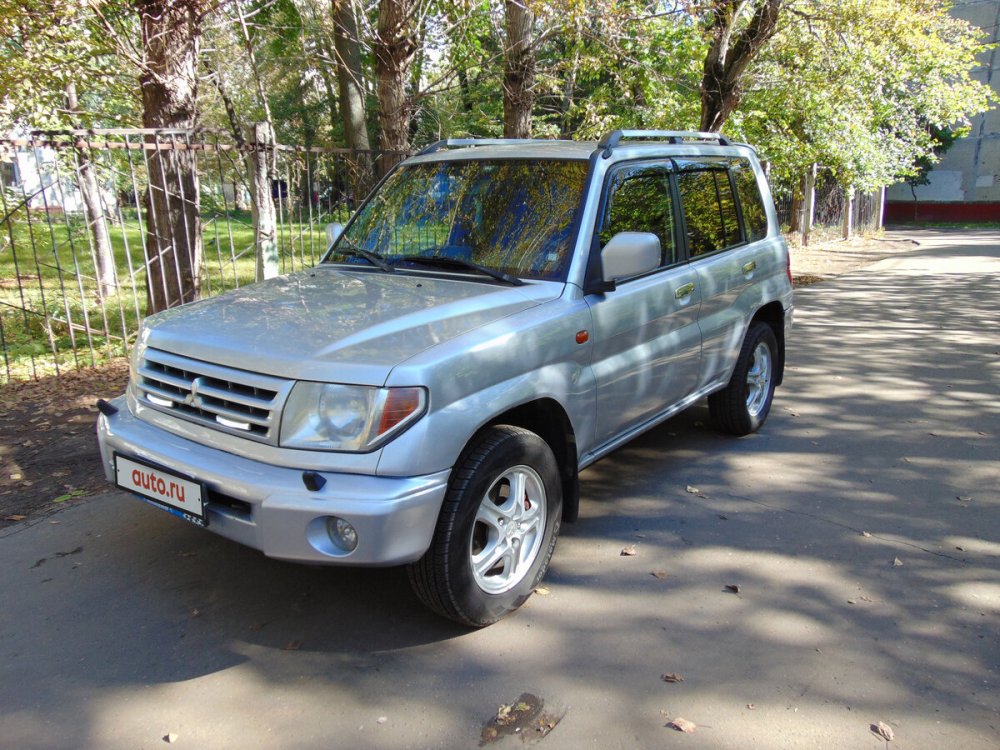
{"x": 731, "y": 51}
{"x": 394, "y": 47}
{"x": 171, "y": 33}
{"x": 518, "y": 71}
{"x": 350, "y": 86}
{"x": 90, "y": 191}
{"x": 262, "y": 200}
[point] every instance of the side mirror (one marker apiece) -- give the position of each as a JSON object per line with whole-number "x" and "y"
{"x": 333, "y": 232}
{"x": 630, "y": 254}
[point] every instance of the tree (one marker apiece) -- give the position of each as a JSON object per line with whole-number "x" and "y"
{"x": 394, "y": 46}
{"x": 104, "y": 256}
{"x": 859, "y": 86}
{"x": 171, "y": 34}
{"x": 738, "y": 30}
{"x": 518, "y": 70}
{"x": 350, "y": 83}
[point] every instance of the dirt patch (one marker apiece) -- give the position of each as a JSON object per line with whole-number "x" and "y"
{"x": 48, "y": 449}
{"x": 829, "y": 258}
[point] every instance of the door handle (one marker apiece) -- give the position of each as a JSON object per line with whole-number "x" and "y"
{"x": 749, "y": 267}
{"x": 684, "y": 291}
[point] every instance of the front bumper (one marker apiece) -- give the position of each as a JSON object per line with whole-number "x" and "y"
{"x": 268, "y": 507}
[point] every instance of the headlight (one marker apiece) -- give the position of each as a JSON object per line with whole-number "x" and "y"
{"x": 136, "y": 357}
{"x": 325, "y": 416}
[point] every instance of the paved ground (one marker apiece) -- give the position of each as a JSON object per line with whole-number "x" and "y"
{"x": 862, "y": 526}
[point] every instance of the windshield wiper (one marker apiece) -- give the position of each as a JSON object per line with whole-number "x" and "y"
{"x": 349, "y": 248}
{"x": 441, "y": 261}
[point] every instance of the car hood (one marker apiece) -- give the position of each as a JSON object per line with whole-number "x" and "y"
{"x": 336, "y": 325}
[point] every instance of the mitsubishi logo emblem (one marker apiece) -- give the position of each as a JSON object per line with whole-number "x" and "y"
{"x": 194, "y": 398}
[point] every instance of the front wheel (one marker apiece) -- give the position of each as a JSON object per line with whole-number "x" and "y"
{"x": 742, "y": 406}
{"x": 497, "y": 528}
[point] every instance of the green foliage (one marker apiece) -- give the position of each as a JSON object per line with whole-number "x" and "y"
{"x": 859, "y": 86}
{"x": 45, "y": 45}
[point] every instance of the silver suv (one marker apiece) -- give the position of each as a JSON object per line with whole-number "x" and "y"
{"x": 496, "y": 317}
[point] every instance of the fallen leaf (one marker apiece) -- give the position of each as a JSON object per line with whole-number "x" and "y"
{"x": 171, "y": 738}
{"x": 723, "y": 518}
{"x": 16, "y": 476}
{"x": 692, "y": 490}
{"x": 15, "y": 517}
{"x": 963, "y": 498}
{"x": 682, "y": 725}
{"x": 751, "y": 706}
{"x": 381, "y": 719}
{"x": 659, "y": 573}
{"x": 671, "y": 677}
{"x": 61, "y": 498}
{"x": 542, "y": 591}
{"x": 851, "y": 601}
{"x": 733, "y": 587}
{"x": 884, "y": 730}
{"x": 865, "y": 534}
{"x": 629, "y": 550}
{"x": 195, "y": 613}
{"x": 293, "y": 646}
{"x": 896, "y": 562}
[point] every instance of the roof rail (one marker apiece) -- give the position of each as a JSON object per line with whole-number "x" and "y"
{"x": 615, "y": 137}
{"x": 458, "y": 142}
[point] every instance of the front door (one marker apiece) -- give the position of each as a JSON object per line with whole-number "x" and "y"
{"x": 647, "y": 344}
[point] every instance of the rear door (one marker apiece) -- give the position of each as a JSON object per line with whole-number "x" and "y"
{"x": 726, "y": 263}
{"x": 647, "y": 344}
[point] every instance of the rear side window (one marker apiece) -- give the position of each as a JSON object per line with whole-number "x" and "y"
{"x": 709, "y": 210}
{"x": 639, "y": 201}
{"x": 754, "y": 215}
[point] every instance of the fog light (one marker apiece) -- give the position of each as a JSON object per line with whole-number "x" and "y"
{"x": 342, "y": 534}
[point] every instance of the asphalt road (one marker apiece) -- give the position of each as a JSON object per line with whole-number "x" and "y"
{"x": 862, "y": 526}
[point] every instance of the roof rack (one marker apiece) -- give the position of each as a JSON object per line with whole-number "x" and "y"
{"x": 458, "y": 142}
{"x": 615, "y": 137}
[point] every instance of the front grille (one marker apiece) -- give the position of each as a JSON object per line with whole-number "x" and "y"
{"x": 235, "y": 401}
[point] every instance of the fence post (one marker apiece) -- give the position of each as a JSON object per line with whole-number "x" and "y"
{"x": 809, "y": 205}
{"x": 847, "y": 224}
{"x": 262, "y": 202}
{"x": 880, "y": 216}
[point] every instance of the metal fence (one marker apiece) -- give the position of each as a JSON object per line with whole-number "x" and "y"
{"x": 830, "y": 202}
{"x": 76, "y": 218}
{"x": 79, "y": 228}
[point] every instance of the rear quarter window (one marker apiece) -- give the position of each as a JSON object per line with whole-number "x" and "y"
{"x": 754, "y": 215}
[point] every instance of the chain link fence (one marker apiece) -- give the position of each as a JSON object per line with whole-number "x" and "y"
{"x": 78, "y": 212}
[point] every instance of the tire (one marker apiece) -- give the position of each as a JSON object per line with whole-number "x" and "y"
{"x": 742, "y": 406}
{"x": 488, "y": 552}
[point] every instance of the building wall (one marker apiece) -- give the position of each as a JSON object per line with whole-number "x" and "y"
{"x": 969, "y": 172}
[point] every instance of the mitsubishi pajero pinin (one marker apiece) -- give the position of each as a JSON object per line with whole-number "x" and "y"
{"x": 497, "y": 316}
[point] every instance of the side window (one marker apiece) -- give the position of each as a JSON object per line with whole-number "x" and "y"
{"x": 709, "y": 209}
{"x": 754, "y": 215}
{"x": 639, "y": 201}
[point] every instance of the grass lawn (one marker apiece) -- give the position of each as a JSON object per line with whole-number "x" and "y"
{"x": 51, "y": 315}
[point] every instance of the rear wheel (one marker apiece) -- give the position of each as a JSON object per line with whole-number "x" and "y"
{"x": 497, "y": 529}
{"x": 742, "y": 406}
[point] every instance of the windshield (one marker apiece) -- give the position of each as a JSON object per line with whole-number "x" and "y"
{"x": 511, "y": 216}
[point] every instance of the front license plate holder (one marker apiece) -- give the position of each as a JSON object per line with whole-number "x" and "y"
{"x": 175, "y": 493}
